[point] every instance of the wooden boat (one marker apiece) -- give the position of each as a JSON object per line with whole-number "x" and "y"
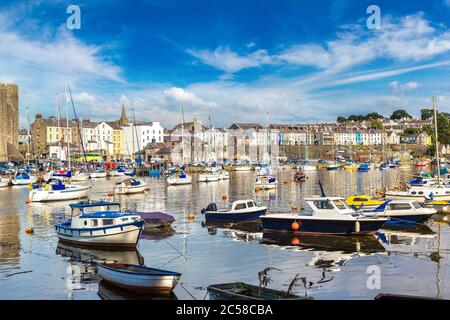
{"x": 266, "y": 183}
{"x": 241, "y": 210}
{"x": 401, "y": 211}
{"x": 100, "y": 224}
{"x": 129, "y": 186}
{"x": 107, "y": 291}
{"x": 4, "y": 182}
{"x": 138, "y": 278}
{"x": 330, "y": 215}
{"x": 56, "y": 190}
{"x": 245, "y": 291}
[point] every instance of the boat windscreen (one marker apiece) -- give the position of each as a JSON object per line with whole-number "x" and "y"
{"x": 112, "y": 207}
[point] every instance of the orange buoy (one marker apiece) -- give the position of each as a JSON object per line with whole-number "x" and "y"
{"x": 295, "y": 226}
{"x": 257, "y": 190}
{"x": 147, "y": 189}
{"x": 110, "y": 194}
{"x": 191, "y": 216}
{"x": 295, "y": 241}
{"x": 29, "y": 230}
{"x": 28, "y": 200}
{"x": 224, "y": 197}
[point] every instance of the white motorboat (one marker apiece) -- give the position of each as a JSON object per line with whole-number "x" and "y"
{"x": 209, "y": 177}
{"x": 307, "y": 168}
{"x": 130, "y": 186}
{"x": 401, "y": 211}
{"x": 117, "y": 173}
{"x": 242, "y": 168}
{"x": 179, "y": 178}
{"x": 4, "y": 182}
{"x": 266, "y": 182}
{"x": 56, "y": 190}
{"x": 241, "y": 210}
{"x": 23, "y": 178}
{"x": 80, "y": 176}
{"x": 224, "y": 175}
{"x": 263, "y": 171}
{"x": 421, "y": 193}
{"x": 101, "y": 224}
{"x": 98, "y": 174}
{"x": 330, "y": 215}
{"x": 138, "y": 278}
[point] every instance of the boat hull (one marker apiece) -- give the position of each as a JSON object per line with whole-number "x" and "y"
{"x": 241, "y": 216}
{"x": 129, "y": 189}
{"x": 23, "y": 182}
{"x": 322, "y": 226}
{"x": 177, "y": 181}
{"x": 407, "y": 218}
{"x": 58, "y": 195}
{"x": 124, "y": 236}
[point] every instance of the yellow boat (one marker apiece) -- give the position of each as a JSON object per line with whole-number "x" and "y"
{"x": 365, "y": 200}
{"x": 442, "y": 206}
{"x": 351, "y": 166}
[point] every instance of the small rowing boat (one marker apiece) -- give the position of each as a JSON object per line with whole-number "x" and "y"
{"x": 138, "y": 278}
{"x": 245, "y": 291}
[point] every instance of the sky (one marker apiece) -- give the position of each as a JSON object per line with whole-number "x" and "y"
{"x": 284, "y": 61}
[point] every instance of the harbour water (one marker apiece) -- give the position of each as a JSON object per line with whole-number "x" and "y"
{"x": 410, "y": 261}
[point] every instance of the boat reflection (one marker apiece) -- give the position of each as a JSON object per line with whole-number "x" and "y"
{"x": 242, "y": 232}
{"x": 330, "y": 252}
{"x": 90, "y": 255}
{"x": 405, "y": 234}
{"x": 108, "y": 291}
{"x": 157, "y": 233}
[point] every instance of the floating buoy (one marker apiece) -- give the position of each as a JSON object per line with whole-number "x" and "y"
{"x": 257, "y": 190}
{"x": 224, "y": 197}
{"x": 295, "y": 241}
{"x": 295, "y": 226}
{"x": 28, "y": 200}
{"x": 445, "y": 218}
{"x": 29, "y": 230}
{"x": 30, "y": 186}
{"x": 147, "y": 189}
{"x": 110, "y": 194}
{"x": 191, "y": 216}
{"x": 294, "y": 208}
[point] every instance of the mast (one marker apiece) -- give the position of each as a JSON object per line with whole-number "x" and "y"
{"x": 436, "y": 141}
{"x": 182, "y": 135}
{"x": 68, "y": 129}
{"x": 137, "y": 138}
{"x": 28, "y": 136}
{"x": 58, "y": 112}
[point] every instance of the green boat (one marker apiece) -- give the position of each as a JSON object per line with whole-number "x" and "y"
{"x": 333, "y": 166}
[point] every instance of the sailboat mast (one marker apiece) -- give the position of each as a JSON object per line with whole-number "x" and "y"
{"x": 68, "y": 129}
{"x": 436, "y": 141}
{"x": 28, "y": 136}
{"x": 182, "y": 135}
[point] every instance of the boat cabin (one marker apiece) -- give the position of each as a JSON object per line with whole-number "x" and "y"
{"x": 243, "y": 205}
{"x": 100, "y": 214}
{"x": 330, "y": 206}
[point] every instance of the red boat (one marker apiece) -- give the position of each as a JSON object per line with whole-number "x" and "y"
{"x": 422, "y": 164}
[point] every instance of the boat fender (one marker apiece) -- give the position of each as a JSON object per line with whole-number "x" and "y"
{"x": 47, "y": 187}
{"x": 295, "y": 226}
{"x": 357, "y": 227}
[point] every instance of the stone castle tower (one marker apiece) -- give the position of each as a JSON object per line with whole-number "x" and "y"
{"x": 9, "y": 122}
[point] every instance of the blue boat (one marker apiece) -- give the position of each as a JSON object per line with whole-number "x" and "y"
{"x": 401, "y": 212}
{"x": 241, "y": 210}
{"x": 330, "y": 215}
{"x": 365, "y": 167}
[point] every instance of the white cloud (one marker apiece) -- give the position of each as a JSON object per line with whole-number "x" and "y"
{"x": 399, "y": 87}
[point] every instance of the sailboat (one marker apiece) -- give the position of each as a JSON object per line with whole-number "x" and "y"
{"x": 23, "y": 177}
{"x": 426, "y": 192}
{"x": 180, "y": 177}
{"x": 307, "y": 167}
{"x": 55, "y": 189}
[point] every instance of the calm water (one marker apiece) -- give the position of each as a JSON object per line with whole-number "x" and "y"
{"x": 412, "y": 261}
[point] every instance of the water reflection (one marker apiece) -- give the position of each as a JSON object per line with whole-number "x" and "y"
{"x": 108, "y": 291}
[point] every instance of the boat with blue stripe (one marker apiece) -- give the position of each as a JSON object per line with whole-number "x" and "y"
{"x": 401, "y": 212}
{"x": 364, "y": 167}
{"x": 100, "y": 224}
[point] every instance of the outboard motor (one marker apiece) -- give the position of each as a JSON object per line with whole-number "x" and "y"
{"x": 211, "y": 207}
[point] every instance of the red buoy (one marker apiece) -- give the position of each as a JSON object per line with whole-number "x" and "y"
{"x": 295, "y": 241}
{"x": 295, "y": 226}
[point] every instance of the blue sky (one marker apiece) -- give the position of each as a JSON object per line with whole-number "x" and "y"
{"x": 297, "y": 61}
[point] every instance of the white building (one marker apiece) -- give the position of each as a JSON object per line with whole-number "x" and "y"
{"x": 104, "y": 137}
{"x": 137, "y": 136}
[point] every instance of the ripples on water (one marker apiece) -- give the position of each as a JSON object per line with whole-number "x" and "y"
{"x": 412, "y": 261}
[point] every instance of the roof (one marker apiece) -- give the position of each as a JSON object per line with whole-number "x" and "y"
{"x": 93, "y": 204}
{"x": 245, "y": 126}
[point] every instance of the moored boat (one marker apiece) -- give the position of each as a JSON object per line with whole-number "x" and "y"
{"x": 266, "y": 183}
{"x": 129, "y": 186}
{"x": 56, "y": 190}
{"x": 307, "y": 168}
{"x": 99, "y": 173}
{"x": 179, "y": 178}
{"x": 241, "y": 210}
{"x": 4, "y": 182}
{"x": 330, "y": 215}
{"x": 333, "y": 166}
{"x": 350, "y": 167}
{"x": 421, "y": 193}
{"x": 401, "y": 211}
{"x": 363, "y": 201}
{"x": 364, "y": 167}
{"x": 245, "y": 291}
{"x": 100, "y": 224}
{"x": 23, "y": 178}
{"x": 138, "y": 278}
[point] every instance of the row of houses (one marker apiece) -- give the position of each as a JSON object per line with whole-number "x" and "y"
{"x": 121, "y": 139}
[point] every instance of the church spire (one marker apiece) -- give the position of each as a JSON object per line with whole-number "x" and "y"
{"x": 123, "y": 117}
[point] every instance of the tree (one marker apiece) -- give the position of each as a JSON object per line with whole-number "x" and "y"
{"x": 400, "y": 114}
{"x": 374, "y": 116}
{"x": 341, "y": 119}
{"x": 376, "y": 124}
{"x": 426, "y": 114}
